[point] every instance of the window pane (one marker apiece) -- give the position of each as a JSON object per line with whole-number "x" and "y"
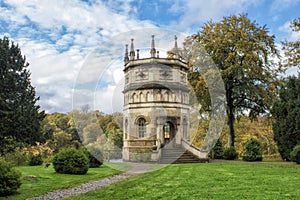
{"x": 142, "y": 127}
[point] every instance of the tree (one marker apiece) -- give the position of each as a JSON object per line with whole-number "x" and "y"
{"x": 20, "y": 117}
{"x": 286, "y": 113}
{"x": 241, "y": 51}
{"x": 292, "y": 48}
{"x": 218, "y": 151}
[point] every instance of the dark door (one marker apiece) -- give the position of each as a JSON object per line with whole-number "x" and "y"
{"x": 168, "y": 133}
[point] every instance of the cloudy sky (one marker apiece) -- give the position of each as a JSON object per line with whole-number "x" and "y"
{"x": 75, "y": 47}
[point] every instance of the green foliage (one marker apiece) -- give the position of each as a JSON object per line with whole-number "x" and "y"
{"x": 9, "y": 179}
{"x": 230, "y": 153}
{"x": 295, "y": 154}
{"x": 252, "y": 151}
{"x": 17, "y": 157}
{"x": 115, "y": 136}
{"x": 35, "y": 160}
{"x": 286, "y": 113}
{"x": 71, "y": 161}
{"x": 240, "y": 49}
{"x": 218, "y": 151}
{"x": 292, "y": 49}
{"x": 19, "y": 114}
{"x": 94, "y": 155}
{"x": 60, "y": 140}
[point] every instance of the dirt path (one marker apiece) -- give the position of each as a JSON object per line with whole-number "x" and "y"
{"x": 137, "y": 168}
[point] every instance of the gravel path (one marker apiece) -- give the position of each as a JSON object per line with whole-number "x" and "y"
{"x": 137, "y": 168}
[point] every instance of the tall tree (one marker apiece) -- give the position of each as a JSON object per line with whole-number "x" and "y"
{"x": 20, "y": 117}
{"x": 286, "y": 113}
{"x": 292, "y": 48}
{"x": 241, "y": 50}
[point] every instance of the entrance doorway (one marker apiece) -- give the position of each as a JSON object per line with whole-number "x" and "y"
{"x": 168, "y": 134}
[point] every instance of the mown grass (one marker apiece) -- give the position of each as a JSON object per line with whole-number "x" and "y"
{"x": 43, "y": 180}
{"x": 218, "y": 180}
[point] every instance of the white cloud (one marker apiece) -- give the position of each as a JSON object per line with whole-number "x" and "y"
{"x": 56, "y": 37}
{"x": 280, "y": 5}
{"x": 290, "y": 35}
{"x": 65, "y": 38}
{"x": 195, "y": 12}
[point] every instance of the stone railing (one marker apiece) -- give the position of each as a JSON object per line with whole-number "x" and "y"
{"x": 194, "y": 150}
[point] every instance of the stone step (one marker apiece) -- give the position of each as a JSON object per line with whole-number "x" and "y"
{"x": 179, "y": 155}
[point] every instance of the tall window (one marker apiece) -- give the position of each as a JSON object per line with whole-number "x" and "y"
{"x": 142, "y": 127}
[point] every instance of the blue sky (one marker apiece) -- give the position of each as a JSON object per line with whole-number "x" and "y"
{"x": 58, "y": 36}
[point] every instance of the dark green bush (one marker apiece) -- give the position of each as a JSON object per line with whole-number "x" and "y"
{"x": 295, "y": 154}
{"x": 35, "y": 160}
{"x": 252, "y": 151}
{"x": 95, "y": 157}
{"x": 70, "y": 161}
{"x": 230, "y": 153}
{"x": 9, "y": 179}
{"x": 218, "y": 151}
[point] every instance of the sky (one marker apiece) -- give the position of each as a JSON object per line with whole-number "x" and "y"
{"x": 75, "y": 48}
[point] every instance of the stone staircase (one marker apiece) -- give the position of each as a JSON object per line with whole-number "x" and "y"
{"x": 178, "y": 155}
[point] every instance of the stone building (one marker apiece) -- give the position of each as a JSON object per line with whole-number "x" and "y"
{"x": 156, "y": 104}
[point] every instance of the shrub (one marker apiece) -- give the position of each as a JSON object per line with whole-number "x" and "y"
{"x": 218, "y": 151}
{"x": 230, "y": 153}
{"x": 17, "y": 157}
{"x": 35, "y": 160}
{"x": 142, "y": 155}
{"x": 252, "y": 151}
{"x": 95, "y": 157}
{"x": 9, "y": 178}
{"x": 70, "y": 161}
{"x": 295, "y": 154}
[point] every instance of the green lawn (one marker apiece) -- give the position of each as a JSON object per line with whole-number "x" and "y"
{"x": 218, "y": 180}
{"x": 48, "y": 180}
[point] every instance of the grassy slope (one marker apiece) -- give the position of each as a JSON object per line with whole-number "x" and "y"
{"x": 229, "y": 180}
{"x": 48, "y": 180}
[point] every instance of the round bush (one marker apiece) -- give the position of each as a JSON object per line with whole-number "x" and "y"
{"x": 35, "y": 160}
{"x": 252, "y": 151}
{"x": 95, "y": 157}
{"x": 295, "y": 154}
{"x": 230, "y": 153}
{"x": 70, "y": 161}
{"x": 10, "y": 179}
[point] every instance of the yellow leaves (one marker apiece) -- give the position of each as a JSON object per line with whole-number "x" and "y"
{"x": 38, "y": 149}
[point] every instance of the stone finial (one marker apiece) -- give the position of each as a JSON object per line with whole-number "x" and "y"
{"x": 152, "y": 51}
{"x": 175, "y": 48}
{"x": 126, "y": 58}
{"x": 132, "y": 52}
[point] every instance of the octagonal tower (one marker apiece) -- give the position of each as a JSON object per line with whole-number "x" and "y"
{"x": 156, "y": 104}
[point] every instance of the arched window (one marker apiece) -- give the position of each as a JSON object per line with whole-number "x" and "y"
{"x": 141, "y": 127}
{"x": 133, "y": 100}
{"x": 166, "y": 96}
{"x": 141, "y": 97}
{"x": 148, "y": 96}
{"x": 126, "y": 128}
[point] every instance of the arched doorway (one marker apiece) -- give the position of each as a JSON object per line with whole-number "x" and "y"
{"x": 168, "y": 134}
